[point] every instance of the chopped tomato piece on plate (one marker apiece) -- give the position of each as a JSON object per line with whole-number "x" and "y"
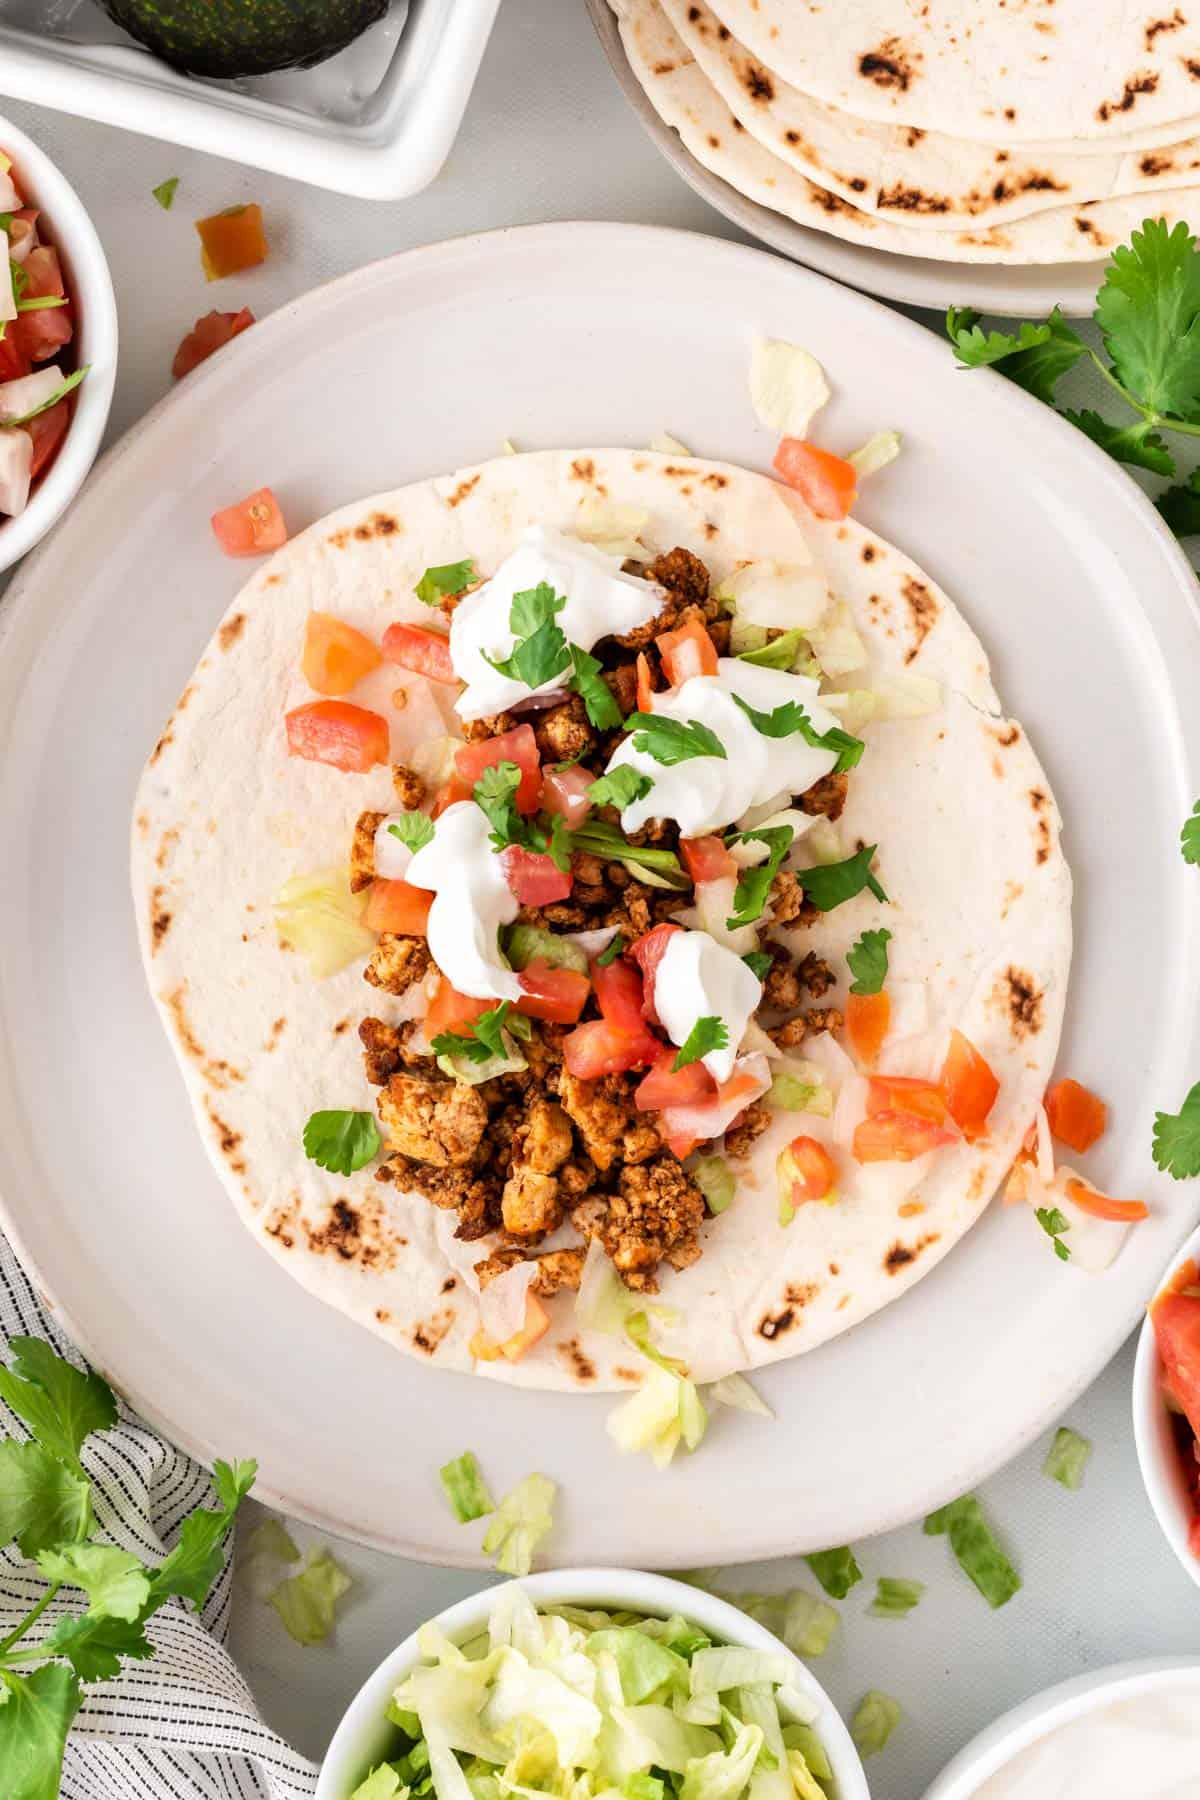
{"x": 597, "y": 1048}
{"x": 534, "y": 878}
{"x": 867, "y": 1019}
{"x": 210, "y": 333}
{"x": 687, "y": 652}
{"x": 451, "y": 1011}
{"x": 1077, "y": 1116}
{"x": 48, "y": 429}
{"x": 897, "y": 1137}
{"x": 559, "y": 995}
{"x": 619, "y": 995}
{"x": 565, "y": 792}
{"x": 251, "y": 526}
{"x": 813, "y": 1171}
{"x": 1177, "y": 1331}
{"x": 826, "y": 483}
{"x": 645, "y": 684}
{"x": 667, "y": 1086}
{"x": 516, "y": 746}
{"x": 232, "y": 240}
{"x": 336, "y": 655}
{"x": 707, "y": 859}
{"x": 905, "y": 1094}
{"x": 647, "y": 953}
{"x": 339, "y": 733}
{"x": 970, "y": 1086}
{"x": 397, "y": 906}
{"x": 425, "y": 652}
{"x": 1103, "y": 1206}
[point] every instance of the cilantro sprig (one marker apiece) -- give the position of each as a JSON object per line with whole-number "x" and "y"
{"x": 1189, "y": 837}
{"x": 495, "y": 793}
{"x": 444, "y": 580}
{"x": 46, "y": 1508}
{"x": 1148, "y": 312}
{"x": 708, "y": 1033}
{"x": 620, "y": 787}
{"x": 672, "y": 741}
{"x": 1054, "y": 1222}
{"x": 341, "y": 1141}
{"x": 754, "y": 884}
{"x": 868, "y": 961}
{"x": 484, "y": 1039}
{"x": 542, "y": 653}
{"x": 829, "y": 884}
{"x": 790, "y": 718}
{"x": 414, "y": 829}
{"x": 1177, "y": 1138}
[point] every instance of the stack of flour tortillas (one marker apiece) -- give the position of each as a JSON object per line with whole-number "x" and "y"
{"x": 1032, "y": 131}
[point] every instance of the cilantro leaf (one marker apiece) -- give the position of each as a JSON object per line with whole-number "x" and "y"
{"x": 60, "y": 1404}
{"x": 611, "y": 951}
{"x": 444, "y": 579}
{"x": 708, "y": 1033}
{"x": 754, "y": 884}
{"x": 1177, "y": 1139}
{"x": 558, "y": 844}
{"x": 829, "y": 884}
{"x": 483, "y": 1039}
{"x": 233, "y": 1481}
{"x": 38, "y": 1713}
{"x": 620, "y": 787}
{"x": 1180, "y": 506}
{"x": 115, "y": 1582}
{"x": 541, "y": 651}
{"x": 590, "y": 685}
{"x": 195, "y": 1562}
{"x": 868, "y": 961}
{"x": 790, "y": 718}
{"x": 777, "y": 653}
{"x": 341, "y": 1141}
{"x": 534, "y": 607}
{"x": 1036, "y": 357}
{"x": 495, "y": 793}
{"x": 42, "y": 1503}
{"x": 1148, "y": 311}
{"x": 94, "y": 1646}
{"x": 414, "y": 829}
{"x": 164, "y": 193}
{"x": 671, "y": 741}
{"x": 836, "y": 1570}
{"x": 1137, "y": 444}
{"x": 1189, "y": 837}
{"x": 1054, "y": 1223}
{"x": 306, "y": 1602}
{"x": 759, "y": 963}
{"x": 974, "y": 1545}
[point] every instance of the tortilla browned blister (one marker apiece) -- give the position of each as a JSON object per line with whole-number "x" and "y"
{"x": 968, "y": 833}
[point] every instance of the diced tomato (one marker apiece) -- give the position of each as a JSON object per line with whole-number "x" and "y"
{"x": 533, "y": 878}
{"x": 683, "y": 1127}
{"x": 687, "y": 652}
{"x": 666, "y": 1086}
{"x": 516, "y": 746}
{"x": 647, "y": 953}
{"x": 619, "y": 995}
{"x": 707, "y": 859}
{"x": 537, "y": 1324}
{"x": 13, "y": 361}
{"x": 867, "y": 1019}
{"x": 645, "y": 684}
{"x": 48, "y": 429}
{"x": 1103, "y": 1206}
{"x": 451, "y": 793}
{"x": 1177, "y": 1331}
{"x": 336, "y": 656}
{"x": 43, "y": 332}
{"x": 827, "y": 484}
{"x": 251, "y": 526}
{"x": 1194, "y": 1531}
{"x": 425, "y": 652}
{"x": 210, "y": 333}
{"x": 970, "y": 1086}
{"x": 565, "y": 792}
{"x": 397, "y": 906}
{"x": 559, "y": 995}
{"x": 905, "y": 1094}
{"x": 451, "y": 1011}
{"x": 339, "y": 733}
{"x": 815, "y": 1172}
{"x": 43, "y": 275}
{"x": 897, "y": 1137}
{"x": 232, "y": 240}
{"x": 597, "y": 1048}
{"x": 1077, "y": 1116}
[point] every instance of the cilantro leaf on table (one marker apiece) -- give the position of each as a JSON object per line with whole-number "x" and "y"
{"x": 754, "y": 884}
{"x": 541, "y": 652}
{"x": 588, "y": 682}
{"x": 868, "y": 961}
{"x": 341, "y": 1141}
{"x": 829, "y": 884}
{"x": 708, "y": 1033}
{"x": 414, "y": 829}
{"x": 790, "y": 718}
{"x": 1035, "y": 356}
{"x": 1177, "y": 1138}
{"x": 620, "y": 787}
{"x": 1189, "y": 837}
{"x": 115, "y": 1582}
{"x": 42, "y": 1503}
{"x": 1137, "y": 445}
{"x": 672, "y": 741}
{"x": 444, "y": 579}
{"x": 60, "y": 1404}
{"x": 94, "y": 1646}
{"x": 38, "y": 1712}
{"x": 1179, "y": 506}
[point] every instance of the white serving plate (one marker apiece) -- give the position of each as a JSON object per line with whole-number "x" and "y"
{"x": 1017, "y": 292}
{"x": 377, "y": 121}
{"x": 610, "y": 334}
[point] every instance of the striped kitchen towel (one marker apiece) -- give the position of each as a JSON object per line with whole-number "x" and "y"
{"x": 182, "y": 1726}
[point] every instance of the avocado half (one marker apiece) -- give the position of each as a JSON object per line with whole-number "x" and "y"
{"x": 244, "y": 37}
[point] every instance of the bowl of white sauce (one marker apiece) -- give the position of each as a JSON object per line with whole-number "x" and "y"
{"x": 1130, "y": 1732}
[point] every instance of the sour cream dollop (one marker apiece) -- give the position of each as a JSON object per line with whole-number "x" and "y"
{"x": 706, "y": 793}
{"x": 473, "y": 900}
{"x": 1148, "y": 1745}
{"x": 601, "y": 602}
{"x": 698, "y": 978}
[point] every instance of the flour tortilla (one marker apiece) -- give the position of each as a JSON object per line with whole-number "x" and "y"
{"x": 920, "y": 179}
{"x": 969, "y": 855}
{"x": 1031, "y": 69}
{"x": 687, "y": 101}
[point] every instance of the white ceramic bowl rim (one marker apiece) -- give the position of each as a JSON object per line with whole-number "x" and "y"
{"x": 363, "y": 1730}
{"x": 89, "y": 283}
{"x": 1048, "y": 1711}
{"x": 1162, "y": 1475}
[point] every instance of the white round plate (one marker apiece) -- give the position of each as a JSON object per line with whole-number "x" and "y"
{"x": 1029, "y": 291}
{"x": 556, "y": 335}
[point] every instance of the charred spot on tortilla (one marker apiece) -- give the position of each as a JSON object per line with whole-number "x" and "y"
{"x": 1009, "y": 736}
{"x": 715, "y": 142}
{"x": 1156, "y": 27}
{"x": 161, "y": 745}
{"x": 160, "y": 919}
{"x": 167, "y": 843}
{"x": 716, "y": 481}
{"x": 353, "y": 1234}
{"x": 228, "y": 1140}
{"x": 463, "y": 490}
{"x": 869, "y": 553}
{"x": 977, "y": 1182}
{"x": 584, "y": 469}
{"x": 430, "y": 1332}
{"x": 342, "y": 1025}
{"x": 901, "y": 1255}
{"x": 1021, "y": 999}
{"x": 382, "y": 1314}
{"x": 664, "y": 68}
{"x": 913, "y": 200}
{"x": 278, "y": 1229}
{"x": 909, "y": 1209}
{"x": 833, "y": 203}
{"x": 1155, "y": 165}
{"x": 835, "y": 1268}
{"x": 710, "y": 530}
{"x": 890, "y": 65}
{"x": 379, "y": 525}
{"x": 796, "y": 1297}
{"x": 1012, "y": 893}
{"x": 1145, "y": 83}
{"x": 758, "y": 83}
{"x": 580, "y": 1364}
{"x": 737, "y": 125}
{"x": 1039, "y": 800}
{"x": 278, "y": 1027}
{"x": 449, "y": 1285}
{"x": 231, "y": 631}
{"x": 923, "y": 612}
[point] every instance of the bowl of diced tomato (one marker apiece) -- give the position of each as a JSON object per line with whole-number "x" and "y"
{"x": 58, "y": 343}
{"x": 1166, "y": 1405}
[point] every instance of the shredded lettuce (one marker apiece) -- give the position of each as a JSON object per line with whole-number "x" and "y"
{"x": 735, "y": 1391}
{"x": 382, "y": 1783}
{"x": 462, "y": 1067}
{"x": 724, "y": 1774}
{"x": 775, "y": 595}
{"x": 803, "y": 1739}
{"x": 715, "y": 1179}
{"x": 1067, "y": 1458}
{"x": 836, "y": 1570}
{"x": 974, "y": 1545}
{"x": 875, "y": 1718}
{"x": 664, "y": 1412}
{"x": 717, "y": 1670}
{"x": 804, "y": 1781}
{"x": 318, "y": 917}
{"x": 835, "y": 642}
{"x": 788, "y": 651}
{"x": 787, "y": 386}
{"x": 800, "y": 1087}
{"x": 797, "y": 1618}
{"x": 895, "y": 1598}
{"x": 522, "y": 1520}
{"x": 465, "y": 1489}
{"x": 611, "y": 526}
{"x": 307, "y": 1601}
{"x": 666, "y": 445}
{"x": 876, "y": 453}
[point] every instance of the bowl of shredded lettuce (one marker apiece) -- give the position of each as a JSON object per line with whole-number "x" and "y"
{"x": 592, "y": 1685}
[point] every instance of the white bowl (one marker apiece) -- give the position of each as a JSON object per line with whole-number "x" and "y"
{"x": 89, "y": 284}
{"x": 1157, "y": 1451}
{"x": 364, "y": 1734}
{"x": 988, "y": 1753}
